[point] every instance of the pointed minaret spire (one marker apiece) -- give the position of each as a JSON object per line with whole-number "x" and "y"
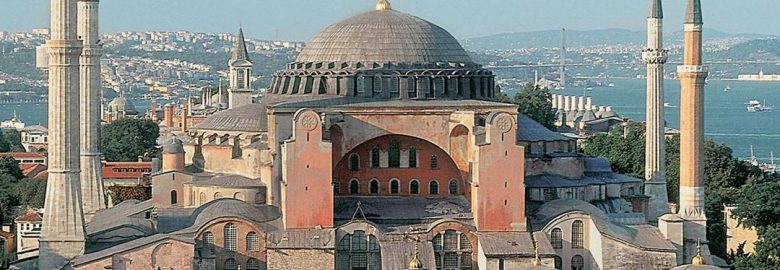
{"x": 240, "y": 77}
{"x": 655, "y": 56}
{"x": 656, "y": 10}
{"x": 239, "y": 47}
{"x": 693, "y": 13}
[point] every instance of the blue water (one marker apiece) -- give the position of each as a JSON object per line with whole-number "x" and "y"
{"x": 726, "y": 119}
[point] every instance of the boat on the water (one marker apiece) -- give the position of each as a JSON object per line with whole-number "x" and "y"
{"x": 757, "y": 106}
{"x": 727, "y": 88}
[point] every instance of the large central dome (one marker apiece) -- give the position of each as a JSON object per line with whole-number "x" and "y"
{"x": 384, "y": 36}
{"x": 385, "y": 54}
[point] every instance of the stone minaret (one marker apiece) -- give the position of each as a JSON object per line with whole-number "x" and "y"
{"x": 240, "y": 91}
{"x": 92, "y": 192}
{"x": 692, "y": 76}
{"x": 655, "y": 57}
{"x": 62, "y": 236}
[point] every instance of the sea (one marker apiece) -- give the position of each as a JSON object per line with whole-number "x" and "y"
{"x": 727, "y": 120}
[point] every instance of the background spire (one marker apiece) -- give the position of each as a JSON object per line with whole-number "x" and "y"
{"x": 239, "y": 47}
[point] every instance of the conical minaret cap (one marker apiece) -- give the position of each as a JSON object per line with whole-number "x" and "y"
{"x": 656, "y": 10}
{"x": 239, "y": 48}
{"x": 693, "y": 12}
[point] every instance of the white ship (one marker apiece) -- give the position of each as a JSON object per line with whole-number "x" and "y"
{"x": 756, "y": 106}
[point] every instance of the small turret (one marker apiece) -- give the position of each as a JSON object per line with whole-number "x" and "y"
{"x": 173, "y": 155}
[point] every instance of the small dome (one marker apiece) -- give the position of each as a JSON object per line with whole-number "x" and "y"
{"x": 122, "y": 104}
{"x": 173, "y": 146}
{"x": 384, "y": 36}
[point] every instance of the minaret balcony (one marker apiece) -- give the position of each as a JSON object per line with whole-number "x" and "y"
{"x": 693, "y": 69}
{"x": 655, "y": 56}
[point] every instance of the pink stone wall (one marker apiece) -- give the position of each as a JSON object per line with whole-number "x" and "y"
{"x": 166, "y": 254}
{"x": 307, "y": 193}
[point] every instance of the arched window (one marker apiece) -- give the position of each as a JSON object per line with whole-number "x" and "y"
{"x": 252, "y": 264}
{"x": 412, "y": 157}
{"x": 230, "y": 237}
{"x": 238, "y": 196}
{"x": 358, "y": 251}
{"x": 577, "y": 235}
{"x": 433, "y": 188}
{"x": 260, "y": 198}
{"x": 556, "y": 238}
{"x": 354, "y": 162}
{"x": 453, "y": 187}
{"x": 394, "y": 159}
{"x": 252, "y": 242}
{"x": 558, "y": 262}
{"x": 231, "y": 264}
{"x": 174, "y": 198}
{"x": 434, "y": 162}
{"x": 217, "y": 195}
{"x": 452, "y": 251}
{"x": 375, "y": 157}
{"x": 373, "y": 186}
{"x": 395, "y": 186}
{"x": 203, "y": 198}
{"x": 577, "y": 262}
{"x": 208, "y": 241}
{"x": 354, "y": 186}
{"x": 414, "y": 187}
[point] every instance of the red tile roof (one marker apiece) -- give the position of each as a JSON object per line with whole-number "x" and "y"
{"x": 29, "y": 217}
{"x": 31, "y": 170}
{"x": 18, "y": 155}
{"x": 126, "y": 170}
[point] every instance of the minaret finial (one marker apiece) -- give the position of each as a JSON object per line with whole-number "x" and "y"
{"x": 383, "y": 5}
{"x": 415, "y": 263}
{"x": 698, "y": 259}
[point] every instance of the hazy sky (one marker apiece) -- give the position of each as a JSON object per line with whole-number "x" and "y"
{"x": 300, "y": 19}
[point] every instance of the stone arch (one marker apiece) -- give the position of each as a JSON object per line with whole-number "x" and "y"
{"x": 460, "y": 142}
{"x": 443, "y": 226}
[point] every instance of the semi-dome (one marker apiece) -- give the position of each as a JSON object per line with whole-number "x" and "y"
{"x": 384, "y": 36}
{"x": 385, "y": 54}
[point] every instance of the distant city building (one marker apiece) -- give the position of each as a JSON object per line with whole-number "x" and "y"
{"x": 129, "y": 174}
{"x": 26, "y": 157}
{"x": 13, "y": 123}
{"x": 41, "y": 31}
{"x": 28, "y": 232}
{"x": 737, "y": 235}
{"x": 759, "y": 77}
{"x": 35, "y": 138}
{"x": 120, "y": 108}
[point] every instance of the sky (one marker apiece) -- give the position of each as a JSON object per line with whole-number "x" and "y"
{"x": 300, "y": 19}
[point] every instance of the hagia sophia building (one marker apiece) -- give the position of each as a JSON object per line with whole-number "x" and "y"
{"x": 380, "y": 147}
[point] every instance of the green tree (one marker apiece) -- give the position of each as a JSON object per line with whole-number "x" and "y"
{"x": 536, "y": 103}
{"x": 127, "y": 139}
{"x": 4, "y": 145}
{"x": 120, "y": 194}
{"x": 10, "y": 166}
{"x": 767, "y": 255}
{"x": 14, "y": 139}
{"x": 624, "y": 147}
{"x": 31, "y": 192}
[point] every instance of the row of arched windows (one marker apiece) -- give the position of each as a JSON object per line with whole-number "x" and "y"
{"x": 229, "y": 239}
{"x": 259, "y": 197}
{"x": 358, "y": 251}
{"x": 394, "y": 158}
{"x": 577, "y": 236}
{"x": 577, "y": 262}
{"x": 232, "y": 264}
{"x": 395, "y": 187}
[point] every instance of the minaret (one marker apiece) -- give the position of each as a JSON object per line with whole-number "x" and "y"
{"x": 655, "y": 57}
{"x": 62, "y": 235}
{"x": 240, "y": 91}
{"x": 92, "y": 192}
{"x": 692, "y": 76}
